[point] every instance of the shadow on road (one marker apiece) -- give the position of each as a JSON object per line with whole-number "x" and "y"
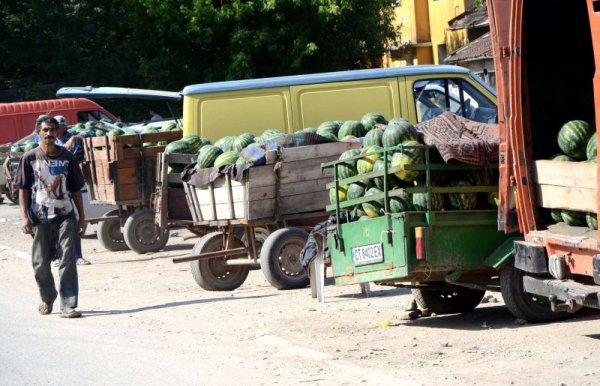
{"x": 168, "y": 305}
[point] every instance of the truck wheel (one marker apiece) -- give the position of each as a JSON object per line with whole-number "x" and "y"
{"x": 109, "y": 233}
{"x": 448, "y": 299}
{"x": 214, "y": 274}
{"x": 142, "y": 233}
{"x": 280, "y": 260}
{"x": 532, "y": 308}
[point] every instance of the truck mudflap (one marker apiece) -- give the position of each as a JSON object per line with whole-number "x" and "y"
{"x": 573, "y": 294}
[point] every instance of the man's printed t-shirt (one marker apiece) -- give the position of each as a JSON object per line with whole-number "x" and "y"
{"x": 51, "y": 180}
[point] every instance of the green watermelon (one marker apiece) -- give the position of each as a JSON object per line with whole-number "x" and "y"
{"x": 115, "y": 132}
{"x": 573, "y": 218}
{"x": 348, "y": 168}
{"x": 591, "y": 148}
{"x": 226, "y": 158}
{"x": 226, "y": 143}
{"x": 354, "y": 128}
{"x": 420, "y": 200}
{"x": 17, "y": 148}
{"x": 369, "y": 120}
{"x": 179, "y": 146}
{"x": 373, "y": 137}
{"x": 397, "y": 120}
{"x": 397, "y": 133}
{"x": 462, "y": 201}
{"x": 401, "y": 202}
{"x": 328, "y": 127}
{"x": 309, "y": 130}
{"x": 242, "y": 141}
{"x": 556, "y": 215}
{"x": 373, "y": 208}
{"x": 342, "y": 193}
{"x": 356, "y": 190}
{"x": 392, "y": 180}
{"x": 29, "y": 146}
{"x": 592, "y": 220}
{"x": 412, "y": 155}
{"x": 168, "y": 126}
{"x": 207, "y": 156}
{"x": 493, "y": 199}
{"x": 561, "y": 157}
{"x": 573, "y": 138}
{"x": 365, "y": 164}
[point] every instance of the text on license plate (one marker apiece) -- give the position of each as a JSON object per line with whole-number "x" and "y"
{"x": 367, "y": 254}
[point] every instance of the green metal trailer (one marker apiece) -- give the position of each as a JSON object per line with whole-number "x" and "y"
{"x": 448, "y": 257}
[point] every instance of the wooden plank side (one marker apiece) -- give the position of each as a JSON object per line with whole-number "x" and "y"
{"x": 569, "y": 174}
{"x": 563, "y": 197}
{"x": 324, "y": 150}
{"x": 306, "y": 202}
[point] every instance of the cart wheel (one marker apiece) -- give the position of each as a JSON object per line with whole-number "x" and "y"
{"x": 448, "y": 298}
{"x": 109, "y": 233}
{"x": 280, "y": 260}
{"x": 142, "y": 233}
{"x": 260, "y": 235}
{"x": 533, "y": 308}
{"x": 214, "y": 274}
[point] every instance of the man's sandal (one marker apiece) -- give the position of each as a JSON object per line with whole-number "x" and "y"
{"x": 70, "y": 313}
{"x": 45, "y": 308}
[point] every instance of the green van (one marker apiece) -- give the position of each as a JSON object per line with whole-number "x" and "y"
{"x": 291, "y": 103}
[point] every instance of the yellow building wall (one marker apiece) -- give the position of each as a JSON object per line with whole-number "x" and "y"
{"x": 412, "y": 19}
{"x": 440, "y": 12}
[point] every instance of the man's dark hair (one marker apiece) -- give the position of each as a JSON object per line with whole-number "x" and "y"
{"x": 45, "y": 118}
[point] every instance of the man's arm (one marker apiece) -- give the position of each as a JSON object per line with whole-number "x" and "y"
{"x": 24, "y": 197}
{"x": 82, "y": 225}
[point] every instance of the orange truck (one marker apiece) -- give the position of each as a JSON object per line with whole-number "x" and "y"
{"x": 546, "y": 79}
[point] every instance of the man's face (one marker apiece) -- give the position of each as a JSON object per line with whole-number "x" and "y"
{"x": 62, "y": 129}
{"x": 48, "y": 132}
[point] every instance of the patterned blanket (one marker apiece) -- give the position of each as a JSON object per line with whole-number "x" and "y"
{"x": 461, "y": 140}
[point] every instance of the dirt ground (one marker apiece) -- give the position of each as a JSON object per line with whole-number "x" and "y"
{"x": 257, "y": 335}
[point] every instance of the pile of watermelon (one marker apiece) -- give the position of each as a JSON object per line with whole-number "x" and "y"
{"x": 400, "y": 141}
{"x": 578, "y": 143}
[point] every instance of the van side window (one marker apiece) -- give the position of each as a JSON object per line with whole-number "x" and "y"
{"x": 84, "y": 116}
{"x": 434, "y": 96}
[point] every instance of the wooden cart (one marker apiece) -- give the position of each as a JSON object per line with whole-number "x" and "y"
{"x": 260, "y": 220}
{"x": 120, "y": 170}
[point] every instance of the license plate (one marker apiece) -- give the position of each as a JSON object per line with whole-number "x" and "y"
{"x": 367, "y": 254}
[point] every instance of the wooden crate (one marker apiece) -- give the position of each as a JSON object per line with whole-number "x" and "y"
{"x": 170, "y": 203}
{"x": 120, "y": 171}
{"x": 566, "y": 185}
{"x": 291, "y": 185}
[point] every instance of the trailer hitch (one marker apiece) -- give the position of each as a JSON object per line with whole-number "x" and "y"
{"x": 569, "y": 305}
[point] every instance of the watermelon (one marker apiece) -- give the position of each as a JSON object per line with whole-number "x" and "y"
{"x": 168, "y": 126}
{"x": 401, "y": 201}
{"x": 373, "y": 137}
{"x": 493, "y": 199}
{"x": 358, "y": 212}
{"x": 17, "y": 148}
{"x": 342, "y": 194}
{"x": 328, "y": 127}
{"x": 270, "y": 134}
{"x": 207, "y": 156}
{"x": 356, "y": 190}
{"x": 373, "y": 208}
{"x": 420, "y": 200}
{"x": 242, "y": 141}
{"x": 592, "y": 220}
{"x": 365, "y": 164}
{"x": 115, "y": 132}
{"x": 226, "y": 158}
{"x": 29, "y": 146}
{"x": 591, "y": 150}
{"x": 369, "y": 120}
{"x": 348, "y": 168}
{"x": 354, "y": 128}
{"x": 397, "y": 133}
{"x": 556, "y": 215}
{"x": 412, "y": 155}
{"x": 226, "y": 143}
{"x": 392, "y": 180}
{"x": 561, "y": 157}
{"x": 462, "y": 201}
{"x": 573, "y": 218}
{"x": 179, "y": 146}
{"x": 573, "y": 138}
{"x": 397, "y": 120}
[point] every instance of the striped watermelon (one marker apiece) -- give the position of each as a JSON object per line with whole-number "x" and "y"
{"x": 592, "y": 220}
{"x": 397, "y": 133}
{"x": 373, "y": 137}
{"x": 402, "y": 202}
{"x": 420, "y": 200}
{"x": 556, "y": 215}
{"x": 365, "y": 164}
{"x": 242, "y": 141}
{"x": 226, "y": 143}
{"x": 392, "y": 180}
{"x": 354, "y": 128}
{"x": 348, "y": 168}
{"x": 207, "y": 156}
{"x": 373, "y": 208}
{"x": 412, "y": 155}
{"x": 179, "y": 146}
{"x": 573, "y": 138}
{"x": 356, "y": 190}
{"x": 462, "y": 201}
{"x": 226, "y": 158}
{"x": 591, "y": 149}
{"x": 342, "y": 194}
{"x": 573, "y": 218}
{"x": 328, "y": 127}
{"x": 561, "y": 157}
{"x": 369, "y": 120}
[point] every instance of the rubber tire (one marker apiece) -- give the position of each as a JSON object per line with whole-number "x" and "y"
{"x": 260, "y": 235}
{"x": 451, "y": 299}
{"x": 141, "y": 232}
{"x": 110, "y": 235}
{"x": 521, "y": 304}
{"x": 270, "y": 259}
{"x": 212, "y": 274}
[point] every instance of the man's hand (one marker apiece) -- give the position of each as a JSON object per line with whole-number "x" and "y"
{"x": 26, "y": 226}
{"x": 82, "y": 226}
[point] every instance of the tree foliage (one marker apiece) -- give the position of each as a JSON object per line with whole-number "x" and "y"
{"x": 167, "y": 44}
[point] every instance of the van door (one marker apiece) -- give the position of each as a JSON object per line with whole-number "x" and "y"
{"x": 499, "y": 12}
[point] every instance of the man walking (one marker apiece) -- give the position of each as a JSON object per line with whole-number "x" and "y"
{"x": 49, "y": 181}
